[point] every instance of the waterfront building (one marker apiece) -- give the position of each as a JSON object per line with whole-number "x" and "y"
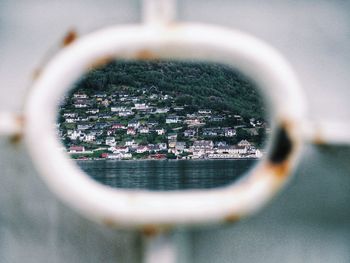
{"x": 76, "y": 149}
{"x": 142, "y": 149}
{"x": 119, "y": 149}
{"x": 203, "y": 145}
{"x": 162, "y": 146}
{"x": 244, "y": 143}
{"x": 180, "y": 147}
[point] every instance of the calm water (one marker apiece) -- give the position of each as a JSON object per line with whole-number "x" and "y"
{"x": 166, "y": 175}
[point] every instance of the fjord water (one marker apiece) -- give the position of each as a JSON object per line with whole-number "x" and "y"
{"x": 166, "y": 174}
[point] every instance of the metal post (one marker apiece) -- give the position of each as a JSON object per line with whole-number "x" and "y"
{"x": 327, "y": 132}
{"x": 10, "y": 123}
{"x": 158, "y": 12}
{"x": 167, "y": 247}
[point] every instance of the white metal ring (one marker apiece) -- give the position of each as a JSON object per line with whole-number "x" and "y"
{"x": 121, "y": 207}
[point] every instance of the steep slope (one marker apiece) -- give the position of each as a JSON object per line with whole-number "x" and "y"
{"x": 200, "y": 85}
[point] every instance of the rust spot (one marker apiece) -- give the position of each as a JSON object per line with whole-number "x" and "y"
{"x": 281, "y": 170}
{"x": 318, "y": 139}
{"x": 145, "y": 55}
{"x": 109, "y": 222}
{"x": 101, "y": 62}
{"x": 21, "y": 120}
{"x": 36, "y": 74}
{"x": 70, "y": 37}
{"x": 150, "y": 230}
{"x": 173, "y": 25}
{"x": 283, "y": 146}
{"x": 232, "y": 218}
{"x": 17, "y": 137}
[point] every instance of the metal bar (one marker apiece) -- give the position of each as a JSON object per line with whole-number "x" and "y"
{"x": 158, "y": 12}
{"x": 159, "y": 248}
{"x": 327, "y": 132}
{"x": 10, "y": 123}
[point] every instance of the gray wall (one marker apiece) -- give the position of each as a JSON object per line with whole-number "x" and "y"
{"x": 308, "y": 222}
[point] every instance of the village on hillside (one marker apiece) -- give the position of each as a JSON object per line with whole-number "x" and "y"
{"x": 129, "y": 123}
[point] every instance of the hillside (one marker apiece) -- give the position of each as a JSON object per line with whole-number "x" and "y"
{"x": 161, "y": 110}
{"x": 196, "y": 85}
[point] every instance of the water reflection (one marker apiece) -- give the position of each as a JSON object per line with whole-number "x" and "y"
{"x": 166, "y": 175}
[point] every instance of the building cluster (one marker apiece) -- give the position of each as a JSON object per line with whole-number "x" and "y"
{"x": 145, "y": 123}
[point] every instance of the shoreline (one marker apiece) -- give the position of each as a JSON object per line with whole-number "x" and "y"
{"x": 172, "y": 160}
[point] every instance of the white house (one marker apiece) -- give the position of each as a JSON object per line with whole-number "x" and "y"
{"x": 230, "y": 132}
{"x": 172, "y": 136}
{"x": 131, "y": 131}
{"x": 162, "y": 110}
{"x": 258, "y": 153}
{"x": 70, "y": 114}
{"x": 105, "y": 102}
{"x": 89, "y": 137}
{"x": 130, "y": 143}
{"x": 239, "y": 150}
{"x": 172, "y": 143}
{"x": 162, "y": 146}
{"x": 244, "y": 143}
{"x": 80, "y": 96}
{"x": 160, "y": 131}
{"x": 75, "y": 135}
{"x": 180, "y": 147}
{"x": 118, "y": 109}
{"x": 204, "y": 111}
{"x": 140, "y": 106}
{"x": 71, "y": 120}
{"x": 194, "y": 122}
{"x": 203, "y": 145}
{"x": 110, "y": 141}
{"x": 119, "y": 149}
{"x": 119, "y": 156}
{"x": 142, "y": 149}
{"x": 189, "y": 133}
{"x": 76, "y": 149}
{"x": 134, "y": 124}
{"x": 172, "y": 119}
{"x": 118, "y": 126}
{"x": 93, "y": 111}
{"x": 125, "y": 113}
{"x": 79, "y": 105}
{"x": 144, "y": 129}
{"x": 83, "y": 126}
{"x": 179, "y": 108}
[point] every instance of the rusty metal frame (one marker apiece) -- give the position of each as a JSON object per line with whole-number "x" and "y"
{"x": 148, "y": 210}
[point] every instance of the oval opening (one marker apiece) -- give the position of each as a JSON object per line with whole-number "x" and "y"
{"x": 164, "y": 125}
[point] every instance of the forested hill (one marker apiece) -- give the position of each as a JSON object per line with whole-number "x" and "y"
{"x": 199, "y": 85}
